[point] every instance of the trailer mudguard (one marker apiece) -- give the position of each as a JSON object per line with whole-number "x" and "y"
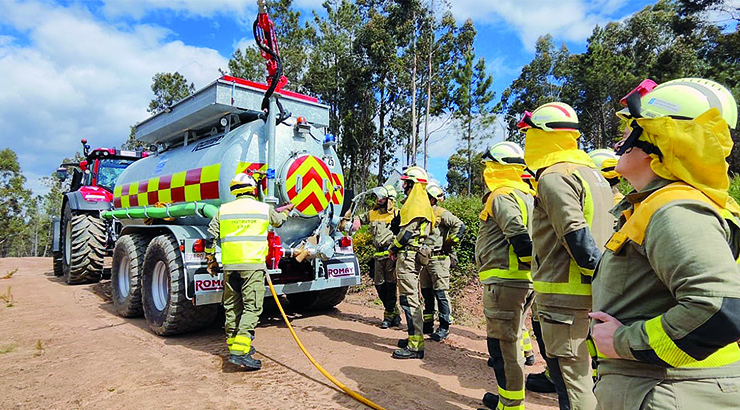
{"x": 77, "y": 203}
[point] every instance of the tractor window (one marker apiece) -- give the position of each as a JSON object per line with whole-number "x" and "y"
{"x": 109, "y": 171}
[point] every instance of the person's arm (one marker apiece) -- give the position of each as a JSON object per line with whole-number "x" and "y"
{"x": 214, "y": 228}
{"x": 688, "y": 251}
{"x": 278, "y": 218}
{"x": 455, "y": 232}
{"x": 560, "y": 195}
{"x": 404, "y": 236}
{"x": 508, "y": 216}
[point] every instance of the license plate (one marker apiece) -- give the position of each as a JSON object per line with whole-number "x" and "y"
{"x": 339, "y": 270}
{"x": 195, "y": 257}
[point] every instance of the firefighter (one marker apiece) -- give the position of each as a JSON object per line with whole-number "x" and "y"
{"x": 241, "y": 229}
{"x": 570, "y": 225}
{"x": 666, "y": 295}
{"x": 411, "y": 254}
{"x": 503, "y": 253}
{"x": 435, "y": 277}
{"x": 606, "y": 161}
{"x": 384, "y": 269}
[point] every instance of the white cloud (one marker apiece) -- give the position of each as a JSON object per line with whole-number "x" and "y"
{"x": 69, "y": 76}
{"x": 243, "y": 10}
{"x": 571, "y": 20}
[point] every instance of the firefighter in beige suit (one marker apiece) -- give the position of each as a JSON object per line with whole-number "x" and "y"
{"x": 503, "y": 253}
{"x": 666, "y": 294}
{"x": 570, "y": 225}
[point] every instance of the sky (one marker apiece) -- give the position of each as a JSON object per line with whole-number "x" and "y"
{"x": 83, "y": 69}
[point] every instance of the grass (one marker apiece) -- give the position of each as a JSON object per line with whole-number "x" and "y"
{"x": 10, "y": 274}
{"x": 10, "y": 347}
{"x": 7, "y": 297}
{"x": 39, "y": 348}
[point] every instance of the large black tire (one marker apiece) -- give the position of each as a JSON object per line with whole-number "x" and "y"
{"x": 58, "y": 264}
{"x": 167, "y": 310}
{"x": 318, "y": 300}
{"x": 83, "y": 247}
{"x": 126, "y": 273}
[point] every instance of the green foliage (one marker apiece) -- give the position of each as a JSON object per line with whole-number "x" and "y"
{"x": 467, "y": 208}
{"x": 362, "y": 242}
{"x": 460, "y": 181}
{"x": 168, "y": 88}
{"x": 15, "y": 204}
{"x": 734, "y": 190}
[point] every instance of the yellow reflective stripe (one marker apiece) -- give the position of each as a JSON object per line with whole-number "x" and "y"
{"x": 588, "y": 206}
{"x": 505, "y": 274}
{"x": 511, "y": 394}
{"x": 522, "y": 208}
{"x": 573, "y": 287}
{"x": 666, "y": 349}
{"x": 526, "y": 259}
{"x": 416, "y": 342}
{"x": 397, "y": 244}
{"x": 209, "y": 250}
{"x": 240, "y": 345}
{"x": 379, "y": 254}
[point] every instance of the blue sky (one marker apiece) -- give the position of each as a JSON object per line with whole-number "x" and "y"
{"x": 83, "y": 69}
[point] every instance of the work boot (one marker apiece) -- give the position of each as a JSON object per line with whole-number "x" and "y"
{"x": 428, "y": 328}
{"x": 490, "y": 400}
{"x": 396, "y": 321}
{"x": 539, "y": 383}
{"x": 440, "y": 335}
{"x": 529, "y": 360}
{"x": 386, "y": 323}
{"x": 403, "y": 343}
{"x": 246, "y": 361}
{"x": 405, "y": 353}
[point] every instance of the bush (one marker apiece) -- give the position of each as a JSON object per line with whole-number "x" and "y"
{"x": 735, "y": 188}
{"x": 467, "y": 208}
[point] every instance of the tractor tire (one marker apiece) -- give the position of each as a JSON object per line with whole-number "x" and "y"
{"x": 58, "y": 263}
{"x": 318, "y": 300}
{"x": 126, "y": 274}
{"x": 83, "y": 247}
{"x": 167, "y": 310}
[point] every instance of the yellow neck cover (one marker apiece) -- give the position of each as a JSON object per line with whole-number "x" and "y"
{"x": 610, "y": 163}
{"x": 500, "y": 175}
{"x": 694, "y": 151}
{"x": 542, "y": 149}
{"x": 417, "y": 205}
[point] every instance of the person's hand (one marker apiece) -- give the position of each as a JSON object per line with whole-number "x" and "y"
{"x": 212, "y": 265}
{"x": 603, "y": 333}
{"x": 356, "y": 225}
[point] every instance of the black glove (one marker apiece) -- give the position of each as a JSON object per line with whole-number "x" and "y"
{"x": 396, "y": 224}
{"x": 371, "y": 268}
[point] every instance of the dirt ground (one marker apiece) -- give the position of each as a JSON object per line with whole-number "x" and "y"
{"x": 63, "y": 347}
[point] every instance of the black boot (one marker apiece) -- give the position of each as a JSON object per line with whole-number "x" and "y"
{"x": 396, "y": 321}
{"x": 246, "y": 361}
{"x": 386, "y": 323}
{"x": 403, "y": 343}
{"x": 490, "y": 400}
{"x": 529, "y": 360}
{"x": 440, "y": 335}
{"x": 539, "y": 383}
{"x": 428, "y": 328}
{"x": 405, "y": 353}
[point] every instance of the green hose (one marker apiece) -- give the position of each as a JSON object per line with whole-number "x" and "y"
{"x": 168, "y": 211}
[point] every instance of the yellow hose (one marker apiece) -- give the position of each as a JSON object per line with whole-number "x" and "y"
{"x": 336, "y": 382}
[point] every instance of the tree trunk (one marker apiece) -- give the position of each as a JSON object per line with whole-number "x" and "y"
{"x": 381, "y": 131}
{"x": 413, "y": 97}
{"x": 429, "y": 89}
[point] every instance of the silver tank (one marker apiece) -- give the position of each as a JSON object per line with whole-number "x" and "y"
{"x": 307, "y": 172}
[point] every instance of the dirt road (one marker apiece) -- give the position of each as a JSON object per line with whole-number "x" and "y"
{"x": 62, "y": 347}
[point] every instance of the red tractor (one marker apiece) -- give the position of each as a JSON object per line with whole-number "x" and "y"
{"x": 80, "y": 237}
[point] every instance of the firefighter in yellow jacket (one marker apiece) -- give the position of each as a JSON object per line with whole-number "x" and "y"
{"x": 384, "y": 270}
{"x": 666, "y": 294}
{"x": 411, "y": 255}
{"x": 503, "y": 253}
{"x": 570, "y": 225}
{"x": 241, "y": 229}
{"x": 606, "y": 161}
{"x": 435, "y": 277}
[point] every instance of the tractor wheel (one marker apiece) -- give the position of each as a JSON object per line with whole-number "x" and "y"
{"x": 83, "y": 247}
{"x": 126, "y": 273}
{"x": 166, "y": 308}
{"x": 317, "y": 300}
{"x": 58, "y": 263}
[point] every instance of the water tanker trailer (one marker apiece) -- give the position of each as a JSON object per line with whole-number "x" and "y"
{"x": 166, "y": 200}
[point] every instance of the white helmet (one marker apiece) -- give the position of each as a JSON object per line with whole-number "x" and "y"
{"x": 507, "y": 153}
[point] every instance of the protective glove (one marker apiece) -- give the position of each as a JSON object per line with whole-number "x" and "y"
{"x": 287, "y": 207}
{"x": 212, "y": 265}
